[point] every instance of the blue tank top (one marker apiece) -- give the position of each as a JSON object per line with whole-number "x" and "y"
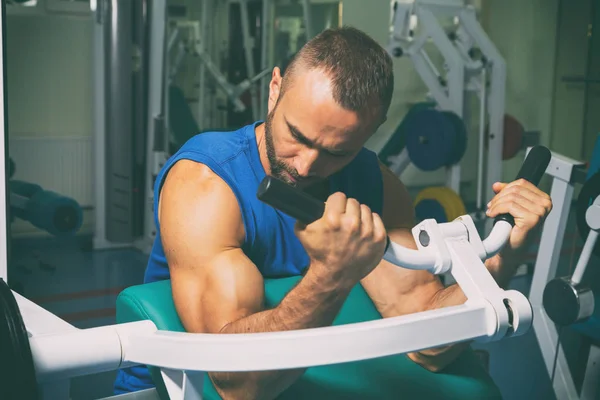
{"x": 270, "y": 241}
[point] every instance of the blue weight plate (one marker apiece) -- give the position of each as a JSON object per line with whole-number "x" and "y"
{"x": 429, "y": 208}
{"x": 460, "y": 133}
{"x": 397, "y": 141}
{"x": 430, "y": 139}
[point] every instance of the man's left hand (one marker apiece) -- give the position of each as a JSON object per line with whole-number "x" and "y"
{"x": 525, "y": 202}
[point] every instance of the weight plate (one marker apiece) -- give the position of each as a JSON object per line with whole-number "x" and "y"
{"x": 397, "y": 141}
{"x": 460, "y": 133}
{"x": 430, "y": 208}
{"x": 589, "y": 192}
{"x": 513, "y": 137}
{"x": 429, "y": 139}
{"x": 455, "y": 203}
{"x": 17, "y": 374}
{"x": 447, "y": 199}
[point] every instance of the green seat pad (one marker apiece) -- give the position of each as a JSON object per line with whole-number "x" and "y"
{"x": 392, "y": 377}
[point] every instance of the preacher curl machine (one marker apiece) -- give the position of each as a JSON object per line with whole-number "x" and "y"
{"x": 40, "y": 352}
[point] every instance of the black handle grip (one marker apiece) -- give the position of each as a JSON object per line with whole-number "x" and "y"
{"x": 290, "y": 200}
{"x": 532, "y": 170}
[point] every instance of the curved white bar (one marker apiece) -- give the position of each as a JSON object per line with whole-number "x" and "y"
{"x": 309, "y": 347}
{"x": 77, "y": 352}
{"x": 409, "y": 258}
{"x": 497, "y": 238}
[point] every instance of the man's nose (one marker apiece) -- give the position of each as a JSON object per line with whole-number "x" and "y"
{"x": 306, "y": 161}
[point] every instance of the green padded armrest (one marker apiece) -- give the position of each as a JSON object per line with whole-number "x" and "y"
{"x": 389, "y": 377}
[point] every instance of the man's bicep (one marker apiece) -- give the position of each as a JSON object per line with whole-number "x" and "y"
{"x": 213, "y": 281}
{"x": 214, "y": 294}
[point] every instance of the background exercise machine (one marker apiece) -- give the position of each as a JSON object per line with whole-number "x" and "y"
{"x": 435, "y": 133}
{"x": 568, "y": 301}
{"x": 141, "y": 118}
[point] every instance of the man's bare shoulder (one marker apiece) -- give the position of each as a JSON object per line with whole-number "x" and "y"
{"x": 194, "y": 195}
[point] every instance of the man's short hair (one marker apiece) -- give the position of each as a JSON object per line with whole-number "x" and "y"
{"x": 361, "y": 70}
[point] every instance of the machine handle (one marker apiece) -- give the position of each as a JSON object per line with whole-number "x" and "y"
{"x": 532, "y": 170}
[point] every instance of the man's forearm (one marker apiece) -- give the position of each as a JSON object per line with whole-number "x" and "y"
{"x": 312, "y": 303}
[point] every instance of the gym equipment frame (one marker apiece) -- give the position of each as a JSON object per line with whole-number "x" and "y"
{"x": 464, "y": 73}
{"x": 566, "y": 173}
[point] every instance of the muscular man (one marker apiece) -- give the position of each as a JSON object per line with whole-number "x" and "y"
{"x": 217, "y": 242}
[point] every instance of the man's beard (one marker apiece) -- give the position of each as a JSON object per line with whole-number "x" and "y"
{"x": 279, "y": 169}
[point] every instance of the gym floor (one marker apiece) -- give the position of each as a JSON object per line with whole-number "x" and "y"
{"x": 80, "y": 286}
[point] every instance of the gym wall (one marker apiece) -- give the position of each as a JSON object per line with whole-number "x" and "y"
{"x": 575, "y": 118}
{"x": 49, "y": 83}
{"x": 525, "y": 34}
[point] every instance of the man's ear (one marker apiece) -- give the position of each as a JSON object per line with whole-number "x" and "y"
{"x": 275, "y": 87}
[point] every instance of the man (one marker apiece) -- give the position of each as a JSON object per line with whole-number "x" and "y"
{"x": 217, "y": 242}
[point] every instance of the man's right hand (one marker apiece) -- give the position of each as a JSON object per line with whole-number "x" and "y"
{"x": 347, "y": 243}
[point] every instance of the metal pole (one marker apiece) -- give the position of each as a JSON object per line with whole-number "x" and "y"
{"x": 157, "y": 109}
{"x": 249, "y": 57}
{"x": 307, "y": 20}
{"x": 3, "y": 148}
{"x": 264, "y": 81}
{"x": 99, "y": 82}
{"x": 202, "y": 44}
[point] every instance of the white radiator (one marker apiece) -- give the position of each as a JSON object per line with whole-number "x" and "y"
{"x": 61, "y": 164}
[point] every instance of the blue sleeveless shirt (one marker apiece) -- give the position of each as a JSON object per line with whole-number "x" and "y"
{"x": 270, "y": 241}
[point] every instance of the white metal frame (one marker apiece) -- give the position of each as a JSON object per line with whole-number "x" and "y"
{"x": 463, "y": 74}
{"x": 563, "y": 170}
